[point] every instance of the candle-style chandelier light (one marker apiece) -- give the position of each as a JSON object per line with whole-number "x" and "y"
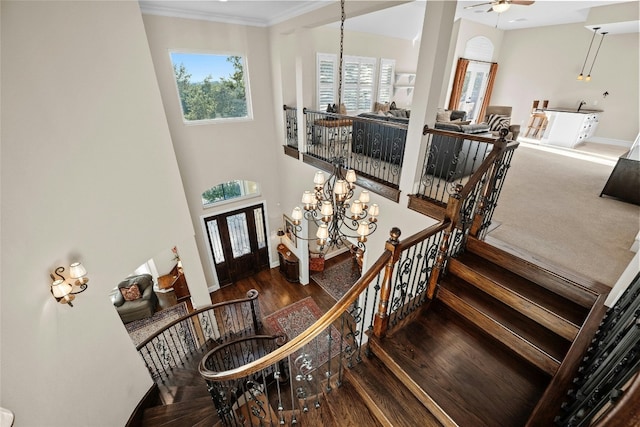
{"x": 331, "y": 207}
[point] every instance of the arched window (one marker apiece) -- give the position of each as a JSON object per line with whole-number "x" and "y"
{"x": 479, "y": 48}
{"x": 231, "y": 190}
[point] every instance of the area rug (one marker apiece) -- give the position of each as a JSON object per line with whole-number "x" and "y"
{"x": 140, "y": 330}
{"x": 338, "y": 279}
{"x": 294, "y": 319}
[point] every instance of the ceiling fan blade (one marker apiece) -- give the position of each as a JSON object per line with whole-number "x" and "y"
{"x": 522, "y": 2}
{"x": 479, "y": 4}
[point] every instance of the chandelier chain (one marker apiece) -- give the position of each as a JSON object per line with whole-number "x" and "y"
{"x": 342, "y": 18}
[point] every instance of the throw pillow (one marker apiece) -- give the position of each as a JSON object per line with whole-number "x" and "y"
{"x": 497, "y": 122}
{"x": 130, "y": 293}
{"x": 379, "y": 106}
{"x": 443, "y": 115}
{"x": 393, "y": 106}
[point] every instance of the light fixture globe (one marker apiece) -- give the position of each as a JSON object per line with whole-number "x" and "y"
{"x": 501, "y": 6}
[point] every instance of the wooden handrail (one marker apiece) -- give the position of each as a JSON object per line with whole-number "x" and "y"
{"x": 301, "y": 340}
{"x": 251, "y": 295}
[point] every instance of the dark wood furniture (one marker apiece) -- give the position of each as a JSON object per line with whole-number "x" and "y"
{"x": 175, "y": 279}
{"x": 624, "y": 181}
{"x": 289, "y": 264}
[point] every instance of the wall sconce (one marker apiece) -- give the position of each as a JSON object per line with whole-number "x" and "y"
{"x": 280, "y": 233}
{"x": 65, "y": 290}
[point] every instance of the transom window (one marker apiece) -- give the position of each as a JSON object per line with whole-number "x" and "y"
{"x": 230, "y": 190}
{"x": 211, "y": 87}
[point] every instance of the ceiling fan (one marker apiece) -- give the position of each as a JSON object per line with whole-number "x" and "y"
{"x": 500, "y": 6}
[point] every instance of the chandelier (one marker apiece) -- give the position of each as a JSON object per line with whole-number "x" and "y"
{"x": 330, "y": 206}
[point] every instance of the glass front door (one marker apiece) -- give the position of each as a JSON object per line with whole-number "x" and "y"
{"x": 473, "y": 89}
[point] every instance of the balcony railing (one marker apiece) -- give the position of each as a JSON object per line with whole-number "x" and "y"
{"x": 291, "y": 131}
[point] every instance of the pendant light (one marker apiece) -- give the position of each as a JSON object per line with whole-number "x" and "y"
{"x": 581, "y": 75}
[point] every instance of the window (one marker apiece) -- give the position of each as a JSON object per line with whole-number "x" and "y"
{"x": 229, "y": 191}
{"x": 211, "y": 87}
{"x": 327, "y": 84}
{"x": 385, "y": 82}
{"x": 358, "y": 81}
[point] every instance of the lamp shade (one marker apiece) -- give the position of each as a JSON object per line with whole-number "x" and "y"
{"x": 340, "y": 187}
{"x": 374, "y": 210}
{"x": 351, "y": 176}
{"x": 326, "y": 209}
{"x": 60, "y": 288}
{"x": 323, "y": 232}
{"x": 364, "y": 197}
{"x": 308, "y": 197}
{"x": 363, "y": 229}
{"x": 318, "y": 179}
{"x": 356, "y": 208}
{"x": 296, "y": 215}
{"x": 77, "y": 270}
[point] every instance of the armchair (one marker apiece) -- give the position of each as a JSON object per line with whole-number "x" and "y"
{"x": 504, "y": 111}
{"x": 139, "y": 308}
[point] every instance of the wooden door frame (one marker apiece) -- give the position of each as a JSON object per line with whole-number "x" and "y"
{"x": 271, "y": 242}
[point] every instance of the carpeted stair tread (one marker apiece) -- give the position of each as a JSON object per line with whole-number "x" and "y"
{"x": 527, "y": 338}
{"x": 555, "y": 312}
{"x": 474, "y": 380}
{"x": 388, "y": 399}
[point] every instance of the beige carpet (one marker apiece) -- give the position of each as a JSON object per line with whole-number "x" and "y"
{"x": 550, "y": 206}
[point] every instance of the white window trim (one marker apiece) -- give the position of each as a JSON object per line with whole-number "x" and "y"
{"x": 362, "y": 60}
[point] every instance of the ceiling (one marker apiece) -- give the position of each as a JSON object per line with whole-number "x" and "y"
{"x": 409, "y": 16}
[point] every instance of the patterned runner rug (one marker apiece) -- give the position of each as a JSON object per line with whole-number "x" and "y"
{"x": 338, "y": 279}
{"x": 294, "y": 319}
{"x": 140, "y": 330}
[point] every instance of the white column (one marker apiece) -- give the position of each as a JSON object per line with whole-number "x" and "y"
{"x": 428, "y": 93}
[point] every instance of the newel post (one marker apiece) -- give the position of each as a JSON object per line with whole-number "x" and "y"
{"x": 381, "y": 320}
{"x": 453, "y": 210}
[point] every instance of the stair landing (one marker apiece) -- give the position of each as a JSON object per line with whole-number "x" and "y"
{"x": 462, "y": 375}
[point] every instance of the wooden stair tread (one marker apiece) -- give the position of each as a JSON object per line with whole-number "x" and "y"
{"x": 454, "y": 364}
{"x": 348, "y": 409}
{"x": 387, "y": 397}
{"x": 178, "y": 408}
{"x": 174, "y": 394}
{"x": 579, "y": 289}
{"x": 551, "y": 310}
{"x": 527, "y": 338}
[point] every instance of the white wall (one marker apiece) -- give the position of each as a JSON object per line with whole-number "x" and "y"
{"x": 209, "y": 154}
{"x": 543, "y": 63}
{"x": 88, "y": 171}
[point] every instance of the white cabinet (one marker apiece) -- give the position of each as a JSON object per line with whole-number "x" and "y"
{"x": 568, "y": 128}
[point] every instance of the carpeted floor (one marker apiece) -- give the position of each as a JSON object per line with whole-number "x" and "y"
{"x": 294, "y": 319}
{"x": 550, "y": 207}
{"x": 339, "y": 278}
{"x": 140, "y": 330}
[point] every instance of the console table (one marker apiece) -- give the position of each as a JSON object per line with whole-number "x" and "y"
{"x": 289, "y": 264}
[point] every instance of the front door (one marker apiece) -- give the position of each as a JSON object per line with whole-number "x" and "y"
{"x": 238, "y": 243}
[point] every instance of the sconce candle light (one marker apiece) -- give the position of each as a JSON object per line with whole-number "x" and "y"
{"x": 65, "y": 290}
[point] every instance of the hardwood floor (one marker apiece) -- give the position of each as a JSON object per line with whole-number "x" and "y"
{"x": 275, "y": 292}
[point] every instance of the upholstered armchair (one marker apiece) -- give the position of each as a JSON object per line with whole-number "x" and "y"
{"x": 135, "y": 303}
{"x": 496, "y": 123}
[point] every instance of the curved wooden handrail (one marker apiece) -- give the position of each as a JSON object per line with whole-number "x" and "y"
{"x": 498, "y": 148}
{"x": 422, "y": 235}
{"x": 252, "y": 294}
{"x": 278, "y": 339}
{"x": 301, "y": 340}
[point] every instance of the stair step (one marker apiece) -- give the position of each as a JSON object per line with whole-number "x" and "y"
{"x": 203, "y": 417}
{"x": 581, "y": 290}
{"x": 388, "y": 399}
{"x": 348, "y": 409}
{"x": 527, "y": 338}
{"x": 455, "y": 368}
{"x": 160, "y": 414}
{"x": 549, "y": 309}
{"x": 174, "y": 394}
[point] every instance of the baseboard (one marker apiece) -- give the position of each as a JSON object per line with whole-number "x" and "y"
{"x": 150, "y": 399}
{"x": 610, "y": 141}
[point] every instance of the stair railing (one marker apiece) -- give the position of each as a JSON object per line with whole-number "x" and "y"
{"x": 197, "y": 332}
{"x": 291, "y": 131}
